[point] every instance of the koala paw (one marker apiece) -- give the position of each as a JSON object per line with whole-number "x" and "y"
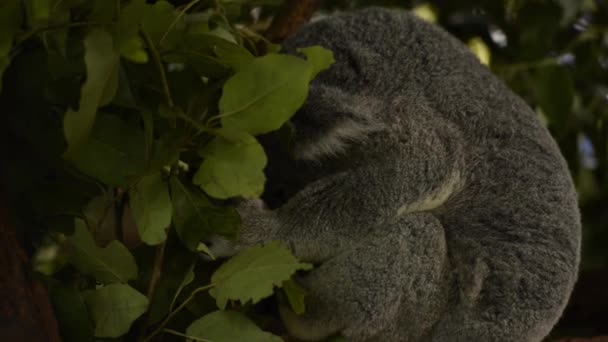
{"x": 219, "y": 247}
{"x": 253, "y": 215}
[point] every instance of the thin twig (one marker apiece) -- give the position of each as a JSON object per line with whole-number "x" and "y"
{"x": 177, "y": 333}
{"x": 177, "y": 18}
{"x": 162, "y": 324}
{"x": 161, "y": 69}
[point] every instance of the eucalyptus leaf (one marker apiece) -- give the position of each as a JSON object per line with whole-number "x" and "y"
{"x": 227, "y": 326}
{"x": 161, "y": 23}
{"x": 151, "y": 207}
{"x": 71, "y": 312}
{"x": 115, "y": 152}
{"x": 126, "y": 33}
{"x": 319, "y": 58}
{"x": 295, "y": 296}
{"x": 112, "y": 264}
{"x": 252, "y": 274}
{"x": 38, "y": 12}
{"x": 196, "y": 218}
{"x": 233, "y": 166}
{"x": 102, "y": 76}
{"x": 177, "y": 273}
{"x": 264, "y": 94}
{"x": 114, "y": 308}
{"x": 555, "y": 94}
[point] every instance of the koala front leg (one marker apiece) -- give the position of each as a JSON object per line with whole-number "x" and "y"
{"x": 397, "y": 270}
{"x": 258, "y": 224}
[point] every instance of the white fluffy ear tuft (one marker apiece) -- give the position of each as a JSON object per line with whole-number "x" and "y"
{"x": 336, "y": 140}
{"x": 334, "y": 120}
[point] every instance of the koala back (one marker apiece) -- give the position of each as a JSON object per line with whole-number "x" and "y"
{"x": 504, "y": 197}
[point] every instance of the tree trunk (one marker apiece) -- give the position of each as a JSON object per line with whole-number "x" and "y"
{"x": 25, "y": 310}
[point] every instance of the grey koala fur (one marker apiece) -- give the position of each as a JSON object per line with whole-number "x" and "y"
{"x": 435, "y": 203}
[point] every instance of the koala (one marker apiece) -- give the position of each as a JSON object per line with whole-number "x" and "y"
{"x": 432, "y": 200}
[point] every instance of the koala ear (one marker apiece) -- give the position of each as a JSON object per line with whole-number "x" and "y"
{"x": 331, "y": 120}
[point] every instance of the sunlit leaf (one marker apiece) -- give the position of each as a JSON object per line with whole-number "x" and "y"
{"x": 233, "y": 166}
{"x": 319, "y": 58}
{"x": 264, "y": 94}
{"x": 228, "y": 326}
{"x": 253, "y": 273}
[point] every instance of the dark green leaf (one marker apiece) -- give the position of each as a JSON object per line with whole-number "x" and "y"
{"x": 195, "y": 218}
{"x": 115, "y": 152}
{"x": 10, "y": 24}
{"x": 161, "y": 24}
{"x": 111, "y": 264}
{"x": 114, "y": 308}
{"x": 295, "y": 296}
{"x": 101, "y": 84}
{"x": 74, "y": 321}
{"x": 177, "y": 273}
{"x": 126, "y": 33}
{"x": 555, "y": 94}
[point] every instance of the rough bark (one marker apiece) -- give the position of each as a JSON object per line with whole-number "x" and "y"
{"x": 290, "y": 17}
{"x": 25, "y": 310}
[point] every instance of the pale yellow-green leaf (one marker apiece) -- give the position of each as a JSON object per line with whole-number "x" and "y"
{"x": 227, "y": 326}
{"x": 252, "y": 274}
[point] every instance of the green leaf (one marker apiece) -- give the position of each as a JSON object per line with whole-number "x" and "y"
{"x": 72, "y": 316}
{"x": 252, "y": 274}
{"x": 38, "y": 12}
{"x": 319, "y": 57}
{"x": 112, "y": 264}
{"x": 264, "y": 94}
{"x": 102, "y": 72}
{"x": 160, "y": 22}
{"x": 555, "y": 95}
{"x": 233, "y": 166}
{"x": 178, "y": 271}
{"x": 226, "y": 51}
{"x": 115, "y": 152}
{"x": 152, "y": 209}
{"x": 196, "y": 218}
{"x": 295, "y": 296}
{"x": 114, "y": 308}
{"x": 227, "y": 326}
{"x": 10, "y": 24}
{"x": 126, "y": 34}
{"x": 210, "y": 55}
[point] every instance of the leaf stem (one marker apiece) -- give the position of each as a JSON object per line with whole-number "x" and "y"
{"x": 162, "y": 324}
{"x": 161, "y": 69}
{"x": 200, "y": 127}
{"x": 177, "y": 333}
{"x": 27, "y": 35}
{"x": 177, "y": 18}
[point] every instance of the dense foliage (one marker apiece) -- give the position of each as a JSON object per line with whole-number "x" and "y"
{"x": 128, "y": 129}
{"x": 130, "y": 124}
